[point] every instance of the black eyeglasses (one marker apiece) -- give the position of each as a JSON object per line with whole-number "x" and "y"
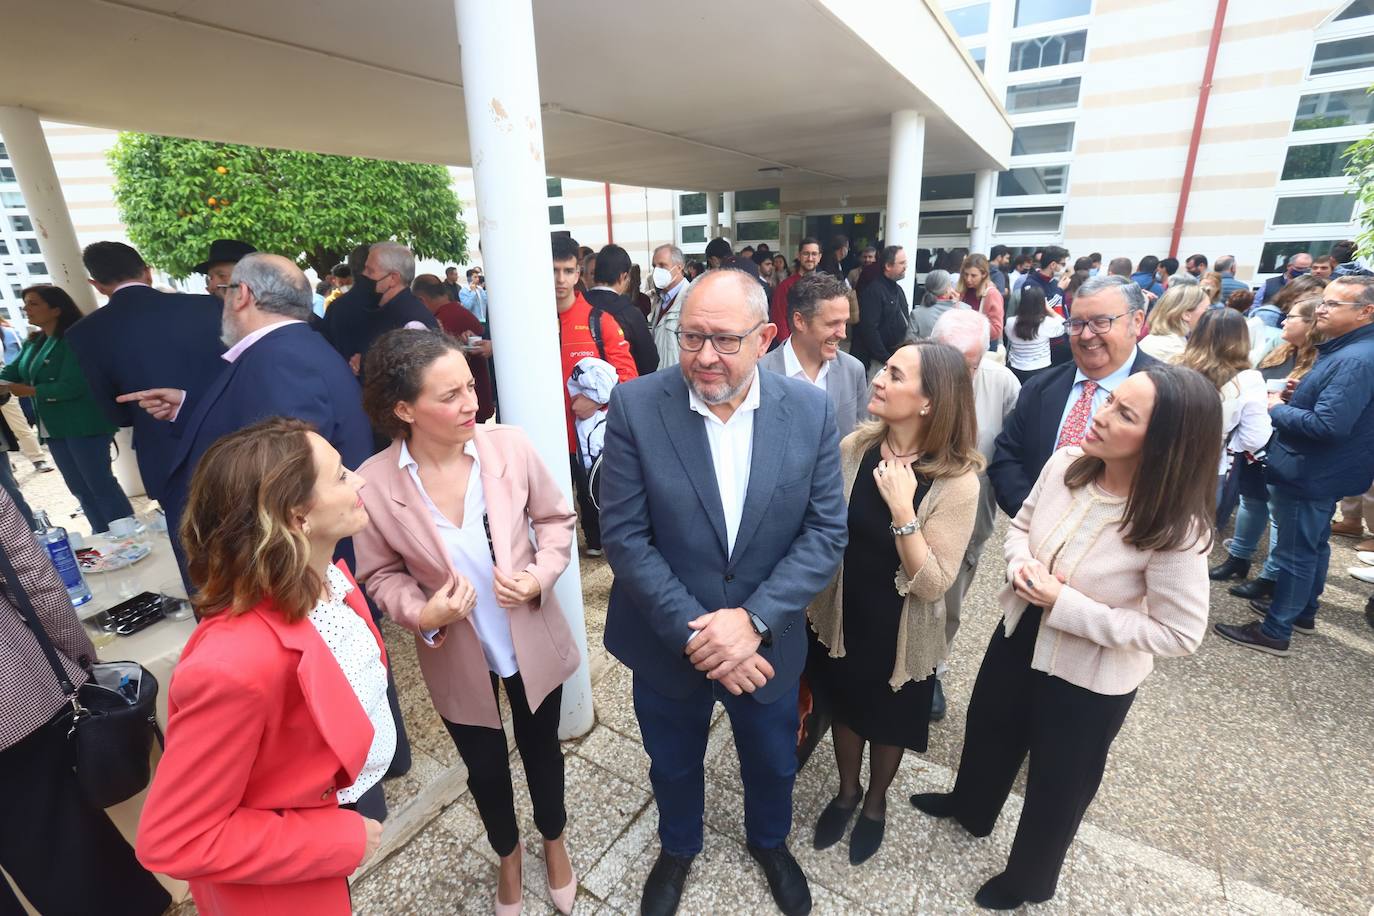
{"x": 724, "y": 344}
{"x": 1100, "y": 324}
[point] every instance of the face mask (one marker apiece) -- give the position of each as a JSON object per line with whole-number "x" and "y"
{"x": 367, "y": 289}
{"x": 662, "y": 277}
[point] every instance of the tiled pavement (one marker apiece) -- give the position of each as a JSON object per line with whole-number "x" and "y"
{"x": 1240, "y": 783}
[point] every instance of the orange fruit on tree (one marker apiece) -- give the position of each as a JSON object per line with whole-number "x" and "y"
{"x": 222, "y": 170}
{"x": 211, "y": 201}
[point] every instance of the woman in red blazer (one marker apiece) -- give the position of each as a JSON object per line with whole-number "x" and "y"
{"x": 277, "y": 708}
{"x": 449, "y": 555}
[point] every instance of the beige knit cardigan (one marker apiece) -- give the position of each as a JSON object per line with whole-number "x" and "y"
{"x": 946, "y": 514}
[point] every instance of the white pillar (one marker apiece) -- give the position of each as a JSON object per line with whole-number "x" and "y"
{"x": 731, "y": 232}
{"x": 980, "y": 230}
{"x": 998, "y": 56}
{"x": 28, "y": 150}
{"x": 712, "y": 216}
{"x": 906, "y": 155}
{"x": 506, "y": 135}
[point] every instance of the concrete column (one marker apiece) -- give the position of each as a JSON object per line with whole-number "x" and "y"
{"x": 906, "y": 155}
{"x": 28, "y": 150}
{"x": 730, "y": 231}
{"x": 1001, "y": 14}
{"x": 712, "y": 216}
{"x": 980, "y": 230}
{"x": 505, "y": 131}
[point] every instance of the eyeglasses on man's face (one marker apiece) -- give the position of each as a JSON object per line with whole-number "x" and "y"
{"x": 724, "y": 344}
{"x": 1329, "y": 304}
{"x": 1100, "y": 324}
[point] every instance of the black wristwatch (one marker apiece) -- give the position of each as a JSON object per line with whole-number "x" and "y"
{"x": 760, "y": 628}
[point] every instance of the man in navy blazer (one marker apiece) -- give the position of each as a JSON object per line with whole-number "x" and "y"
{"x": 141, "y": 338}
{"x": 1108, "y": 312}
{"x": 722, "y": 517}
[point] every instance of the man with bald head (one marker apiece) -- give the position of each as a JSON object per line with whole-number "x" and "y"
{"x": 722, "y": 517}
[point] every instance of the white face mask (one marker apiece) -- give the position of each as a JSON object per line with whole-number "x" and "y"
{"x": 662, "y": 277}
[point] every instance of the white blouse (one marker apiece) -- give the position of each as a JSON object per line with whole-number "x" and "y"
{"x": 360, "y": 658}
{"x": 1034, "y": 353}
{"x": 1244, "y": 412}
{"x": 469, "y": 553}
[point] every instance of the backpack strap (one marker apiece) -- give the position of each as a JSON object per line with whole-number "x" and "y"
{"x": 594, "y": 323}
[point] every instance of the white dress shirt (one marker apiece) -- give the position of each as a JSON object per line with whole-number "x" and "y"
{"x": 732, "y": 450}
{"x": 469, "y": 553}
{"x": 353, "y": 646}
{"x": 794, "y": 367}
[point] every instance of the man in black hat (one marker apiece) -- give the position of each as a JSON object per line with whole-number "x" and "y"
{"x": 224, "y": 254}
{"x": 717, "y": 251}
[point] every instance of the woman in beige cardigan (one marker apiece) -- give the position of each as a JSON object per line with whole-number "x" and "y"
{"x": 1108, "y": 568}
{"x": 911, "y": 477}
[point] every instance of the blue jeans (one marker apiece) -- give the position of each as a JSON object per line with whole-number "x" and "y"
{"x": 674, "y": 732}
{"x": 1302, "y": 553}
{"x": 85, "y": 465}
{"x": 11, "y": 486}
{"x": 1251, "y": 519}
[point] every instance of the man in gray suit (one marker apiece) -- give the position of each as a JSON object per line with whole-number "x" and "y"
{"x": 715, "y": 562}
{"x": 818, "y": 311}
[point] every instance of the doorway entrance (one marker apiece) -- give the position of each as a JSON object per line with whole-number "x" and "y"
{"x": 862, "y": 229}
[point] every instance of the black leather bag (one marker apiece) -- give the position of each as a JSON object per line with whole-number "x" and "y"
{"x": 111, "y": 735}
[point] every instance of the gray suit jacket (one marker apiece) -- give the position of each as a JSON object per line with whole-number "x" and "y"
{"x": 846, "y": 383}
{"x": 663, "y": 526}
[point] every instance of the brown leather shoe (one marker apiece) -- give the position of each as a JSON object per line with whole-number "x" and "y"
{"x": 1366, "y": 544}
{"x": 1348, "y": 528}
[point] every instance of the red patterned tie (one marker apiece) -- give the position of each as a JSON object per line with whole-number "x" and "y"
{"x": 1076, "y": 423}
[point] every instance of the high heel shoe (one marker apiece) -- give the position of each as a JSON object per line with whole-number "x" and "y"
{"x": 563, "y": 897}
{"x": 511, "y": 909}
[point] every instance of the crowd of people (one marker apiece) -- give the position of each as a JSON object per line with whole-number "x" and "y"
{"x": 792, "y": 471}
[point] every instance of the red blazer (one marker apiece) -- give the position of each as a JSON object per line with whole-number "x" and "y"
{"x": 262, "y": 728}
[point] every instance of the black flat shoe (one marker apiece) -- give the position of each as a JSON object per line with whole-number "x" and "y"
{"x": 937, "y": 702}
{"x": 663, "y": 888}
{"x": 1255, "y": 588}
{"x": 993, "y": 896}
{"x": 1230, "y": 568}
{"x": 785, "y": 879}
{"x": 865, "y": 840}
{"x": 833, "y": 822}
{"x": 936, "y": 804}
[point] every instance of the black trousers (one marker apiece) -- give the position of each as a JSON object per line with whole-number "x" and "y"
{"x": 371, "y": 803}
{"x": 1067, "y": 731}
{"x": 64, "y": 854}
{"x": 487, "y": 757}
{"x": 586, "y": 509}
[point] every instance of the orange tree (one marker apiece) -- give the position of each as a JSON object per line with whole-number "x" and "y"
{"x": 176, "y": 196}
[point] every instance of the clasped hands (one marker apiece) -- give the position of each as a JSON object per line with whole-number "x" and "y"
{"x": 725, "y": 646}
{"x": 456, "y": 598}
{"x": 1034, "y": 583}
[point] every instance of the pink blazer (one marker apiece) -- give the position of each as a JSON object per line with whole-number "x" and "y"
{"x": 402, "y": 560}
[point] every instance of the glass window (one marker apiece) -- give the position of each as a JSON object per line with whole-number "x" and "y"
{"x": 1049, "y": 179}
{"x": 1346, "y": 54}
{"x": 1318, "y": 208}
{"x": 944, "y": 224}
{"x": 1276, "y": 254}
{"x": 36, "y": 267}
{"x": 555, "y": 187}
{"x": 17, "y": 290}
{"x": 28, "y": 246}
{"x": 1045, "y": 96}
{"x": 1044, "y": 221}
{"x": 21, "y": 224}
{"x": 11, "y": 199}
{"x": 556, "y": 215}
{"x": 4, "y": 153}
{"x": 1048, "y": 51}
{"x": 1357, "y": 10}
{"x": 765, "y": 230}
{"x": 969, "y": 20}
{"x": 947, "y": 187}
{"x": 1042, "y": 138}
{"x": 5, "y": 246}
{"x": 762, "y": 199}
{"x": 1029, "y": 12}
{"x": 692, "y": 234}
{"x": 1314, "y": 160}
{"x": 1341, "y": 108}
{"x": 980, "y": 57}
{"x": 691, "y": 204}
{"x": 7, "y": 173}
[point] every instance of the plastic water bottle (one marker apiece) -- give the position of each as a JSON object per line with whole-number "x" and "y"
{"x": 63, "y": 558}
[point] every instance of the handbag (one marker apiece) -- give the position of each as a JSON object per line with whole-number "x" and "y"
{"x": 111, "y": 730}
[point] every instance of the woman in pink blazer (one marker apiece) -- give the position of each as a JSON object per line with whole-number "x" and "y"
{"x": 278, "y": 722}
{"x": 449, "y": 555}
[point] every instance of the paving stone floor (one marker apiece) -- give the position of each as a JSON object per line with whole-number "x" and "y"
{"x": 1240, "y": 784}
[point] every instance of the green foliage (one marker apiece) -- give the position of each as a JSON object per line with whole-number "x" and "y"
{"x": 1360, "y": 167}
{"x": 176, "y": 196}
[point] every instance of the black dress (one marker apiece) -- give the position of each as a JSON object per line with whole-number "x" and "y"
{"x": 856, "y": 686}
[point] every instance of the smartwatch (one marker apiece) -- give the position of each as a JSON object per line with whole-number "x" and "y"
{"x": 760, "y": 628}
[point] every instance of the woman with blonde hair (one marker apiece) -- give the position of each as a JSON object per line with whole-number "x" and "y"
{"x": 911, "y": 478}
{"x": 278, "y": 727}
{"x": 1291, "y": 359}
{"x": 1170, "y": 321}
{"x": 978, "y": 292}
